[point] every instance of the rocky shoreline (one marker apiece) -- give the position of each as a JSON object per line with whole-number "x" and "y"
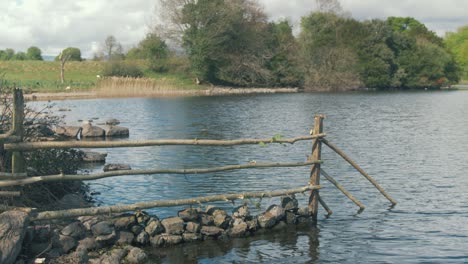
{"x": 127, "y": 238}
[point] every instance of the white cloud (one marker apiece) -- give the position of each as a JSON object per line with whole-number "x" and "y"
{"x": 56, "y": 24}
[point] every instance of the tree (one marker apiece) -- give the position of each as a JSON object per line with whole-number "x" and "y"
{"x": 112, "y": 48}
{"x": 20, "y": 56}
{"x": 457, "y": 44}
{"x": 74, "y": 54}
{"x": 34, "y": 53}
{"x": 68, "y": 54}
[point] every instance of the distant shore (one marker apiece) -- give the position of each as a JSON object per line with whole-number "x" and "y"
{"x": 170, "y": 93}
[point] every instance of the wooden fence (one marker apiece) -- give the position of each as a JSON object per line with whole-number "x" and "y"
{"x": 12, "y": 142}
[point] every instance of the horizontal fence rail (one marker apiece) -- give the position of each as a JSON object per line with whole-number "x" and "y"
{"x": 168, "y": 203}
{"x": 28, "y": 146}
{"x": 62, "y": 177}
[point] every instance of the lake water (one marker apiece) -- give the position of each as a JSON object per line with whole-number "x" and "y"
{"x": 414, "y": 144}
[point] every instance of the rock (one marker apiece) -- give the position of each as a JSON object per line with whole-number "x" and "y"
{"x": 112, "y": 122}
{"x": 190, "y": 237}
{"x": 205, "y": 219}
{"x": 136, "y": 229}
{"x": 64, "y": 109}
{"x": 280, "y": 225}
{"x": 142, "y": 217}
{"x": 291, "y": 218}
{"x": 67, "y": 243}
{"x": 210, "y": 209}
{"x": 42, "y": 233}
{"x": 12, "y": 231}
{"x": 266, "y": 220}
{"x": 221, "y": 219}
{"x": 192, "y": 227}
{"x": 75, "y": 230}
{"x": 71, "y": 201}
{"x": 239, "y": 228}
{"x": 154, "y": 227}
{"x": 289, "y": 203}
{"x": 252, "y": 224}
{"x": 125, "y": 222}
{"x": 125, "y": 238}
{"x": 40, "y": 130}
{"x": 241, "y": 212}
{"x": 102, "y": 228}
{"x": 172, "y": 239}
{"x": 36, "y": 248}
{"x": 142, "y": 238}
{"x": 157, "y": 241}
{"x": 89, "y": 221}
{"x": 94, "y": 157}
{"x": 79, "y": 257}
{"x": 88, "y": 244}
{"x": 136, "y": 256}
{"x": 211, "y": 231}
{"x": 117, "y": 131}
{"x": 303, "y": 211}
{"x": 68, "y": 131}
{"x": 188, "y": 214}
{"x": 304, "y": 219}
{"x": 92, "y": 131}
{"x": 116, "y": 167}
{"x": 277, "y": 211}
{"x": 173, "y": 225}
{"x": 107, "y": 239}
{"x": 115, "y": 256}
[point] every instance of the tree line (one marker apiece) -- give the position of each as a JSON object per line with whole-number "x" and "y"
{"x": 32, "y": 53}
{"x": 235, "y": 43}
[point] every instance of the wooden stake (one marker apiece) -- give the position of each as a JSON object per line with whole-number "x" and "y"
{"x": 354, "y": 164}
{"x": 315, "y": 171}
{"x": 342, "y": 189}
{"x": 168, "y": 203}
{"x": 17, "y": 160}
{"x": 325, "y": 206}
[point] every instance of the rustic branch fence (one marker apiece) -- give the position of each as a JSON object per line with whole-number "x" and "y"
{"x": 13, "y": 142}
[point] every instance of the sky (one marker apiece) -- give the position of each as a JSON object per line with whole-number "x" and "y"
{"x": 53, "y": 25}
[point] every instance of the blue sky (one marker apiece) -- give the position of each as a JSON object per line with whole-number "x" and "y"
{"x": 56, "y": 24}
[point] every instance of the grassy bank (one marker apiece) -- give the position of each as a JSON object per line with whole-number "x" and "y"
{"x": 44, "y": 76}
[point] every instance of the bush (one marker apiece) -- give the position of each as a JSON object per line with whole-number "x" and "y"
{"x": 122, "y": 69}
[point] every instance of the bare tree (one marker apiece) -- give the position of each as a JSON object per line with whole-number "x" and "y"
{"x": 63, "y": 57}
{"x": 168, "y": 21}
{"x": 112, "y": 48}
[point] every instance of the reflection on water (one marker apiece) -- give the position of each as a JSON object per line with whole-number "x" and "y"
{"x": 413, "y": 144}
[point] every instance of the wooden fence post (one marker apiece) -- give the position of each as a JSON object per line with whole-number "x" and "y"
{"x": 315, "y": 171}
{"x": 17, "y": 160}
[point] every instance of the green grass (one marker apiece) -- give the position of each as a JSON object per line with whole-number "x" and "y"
{"x": 44, "y": 76}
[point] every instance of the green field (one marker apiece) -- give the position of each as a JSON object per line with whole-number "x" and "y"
{"x": 44, "y": 76}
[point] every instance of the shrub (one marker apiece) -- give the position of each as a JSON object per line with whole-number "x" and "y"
{"x": 122, "y": 69}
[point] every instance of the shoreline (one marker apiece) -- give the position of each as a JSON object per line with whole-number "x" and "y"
{"x": 216, "y": 91}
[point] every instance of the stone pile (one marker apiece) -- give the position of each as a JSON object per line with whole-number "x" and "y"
{"x": 88, "y": 130}
{"x": 122, "y": 236}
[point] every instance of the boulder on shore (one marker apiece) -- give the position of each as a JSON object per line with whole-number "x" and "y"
{"x": 92, "y": 131}
{"x": 116, "y": 167}
{"x": 117, "y": 131}
{"x": 12, "y": 231}
{"x": 94, "y": 157}
{"x": 68, "y": 131}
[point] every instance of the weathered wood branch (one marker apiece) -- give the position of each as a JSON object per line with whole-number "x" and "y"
{"x": 62, "y": 177}
{"x": 167, "y": 203}
{"x": 342, "y": 189}
{"x": 28, "y": 146}
{"x": 9, "y": 176}
{"x": 325, "y": 206}
{"x": 9, "y": 194}
{"x": 358, "y": 168}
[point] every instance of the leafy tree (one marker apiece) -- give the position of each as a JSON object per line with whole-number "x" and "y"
{"x": 20, "y": 56}
{"x": 7, "y": 54}
{"x": 151, "y": 48}
{"x": 457, "y": 43}
{"x": 72, "y": 54}
{"x": 34, "y": 53}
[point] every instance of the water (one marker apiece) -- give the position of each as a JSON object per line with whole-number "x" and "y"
{"x": 414, "y": 144}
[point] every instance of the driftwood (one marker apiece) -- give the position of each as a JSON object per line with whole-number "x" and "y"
{"x": 28, "y": 146}
{"x": 343, "y": 190}
{"x": 354, "y": 164}
{"x": 325, "y": 206}
{"x": 167, "y": 203}
{"x": 9, "y": 194}
{"x": 9, "y": 176}
{"x": 62, "y": 177}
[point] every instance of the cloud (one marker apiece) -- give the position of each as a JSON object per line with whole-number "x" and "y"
{"x": 53, "y": 25}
